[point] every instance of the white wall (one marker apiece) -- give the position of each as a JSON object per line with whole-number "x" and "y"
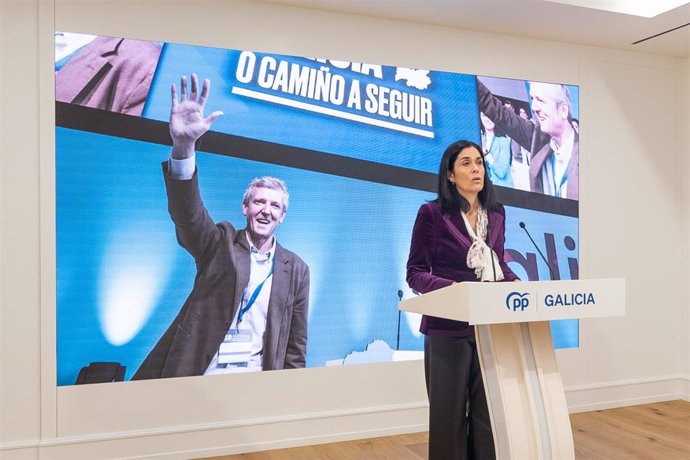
{"x": 20, "y": 339}
{"x": 634, "y": 210}
{"x": 684, "y": 135}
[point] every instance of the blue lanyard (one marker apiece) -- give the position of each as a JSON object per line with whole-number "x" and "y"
{"x": 564, "y": 179}
{"x": 254, "y": 295}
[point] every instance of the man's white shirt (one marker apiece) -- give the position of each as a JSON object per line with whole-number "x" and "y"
{"x": 255, "y": 318}
{"x": 552, "y": 177}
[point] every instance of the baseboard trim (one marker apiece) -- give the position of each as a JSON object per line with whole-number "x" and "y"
{"x": 686, "y": 388}
{"x": 629, "y": 392}
{"x": 236, "y": 437}
{"x": 297, "y": 442}
{"x": 252, "y": 435}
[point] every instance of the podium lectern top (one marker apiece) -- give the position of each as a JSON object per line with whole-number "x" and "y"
{"x": 522, "y": 301}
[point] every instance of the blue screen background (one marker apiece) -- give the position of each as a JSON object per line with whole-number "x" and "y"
{"x": 122, "y": 277}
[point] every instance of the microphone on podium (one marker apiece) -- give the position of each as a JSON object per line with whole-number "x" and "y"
{"x": 548, "y": 265}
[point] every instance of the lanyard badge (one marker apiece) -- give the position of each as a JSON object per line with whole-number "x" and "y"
{"x": 236, "y": 348}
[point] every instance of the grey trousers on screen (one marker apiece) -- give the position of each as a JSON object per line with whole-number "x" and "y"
{"x": 459, "y": 424}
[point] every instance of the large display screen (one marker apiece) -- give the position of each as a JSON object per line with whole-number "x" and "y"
{"x": 358, "y": 146}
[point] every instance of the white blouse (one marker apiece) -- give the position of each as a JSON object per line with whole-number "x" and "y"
{"x": 480, "y": 256}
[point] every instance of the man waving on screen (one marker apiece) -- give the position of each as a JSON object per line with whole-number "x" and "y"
{"x": 552, "y": 142}
{"x": 248, "y": 308}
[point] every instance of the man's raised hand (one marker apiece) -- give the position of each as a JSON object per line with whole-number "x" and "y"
{"x": 187, "y": 121}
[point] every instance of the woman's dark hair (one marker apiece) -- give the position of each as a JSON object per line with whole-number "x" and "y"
{"x": 448, "y": 198}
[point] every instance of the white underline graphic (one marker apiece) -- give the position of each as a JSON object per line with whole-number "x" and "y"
{"x": 332, "y": 112}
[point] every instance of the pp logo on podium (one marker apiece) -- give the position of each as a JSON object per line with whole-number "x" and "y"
{"x": 516, "y": 301}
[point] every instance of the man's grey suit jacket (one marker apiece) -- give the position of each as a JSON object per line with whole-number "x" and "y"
{"x": 222, "y": 260}
{"x": 109, "y": 73}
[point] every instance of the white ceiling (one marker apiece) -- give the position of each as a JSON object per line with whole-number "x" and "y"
{"x": 531, "y": 18}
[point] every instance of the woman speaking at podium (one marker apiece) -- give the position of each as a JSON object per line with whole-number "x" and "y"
{"x": 457, "y": 237}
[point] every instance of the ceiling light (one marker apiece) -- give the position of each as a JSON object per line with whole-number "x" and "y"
{"x": 644, "y": 8}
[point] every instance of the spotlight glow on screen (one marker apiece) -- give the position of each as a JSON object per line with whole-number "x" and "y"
{"x": 133, "y": 273}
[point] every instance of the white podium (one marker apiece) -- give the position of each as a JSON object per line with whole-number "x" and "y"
{"x": 529, "y": 414}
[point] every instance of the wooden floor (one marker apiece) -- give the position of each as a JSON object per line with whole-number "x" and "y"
{"x": 650, "y": 431}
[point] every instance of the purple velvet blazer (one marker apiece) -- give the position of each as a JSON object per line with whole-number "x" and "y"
{"x": 438, "y": 257}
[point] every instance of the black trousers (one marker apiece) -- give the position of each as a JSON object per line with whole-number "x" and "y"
{"x": 459, "y": 424}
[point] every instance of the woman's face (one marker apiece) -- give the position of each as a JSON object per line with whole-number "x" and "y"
{"x": 468, "y": 172}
